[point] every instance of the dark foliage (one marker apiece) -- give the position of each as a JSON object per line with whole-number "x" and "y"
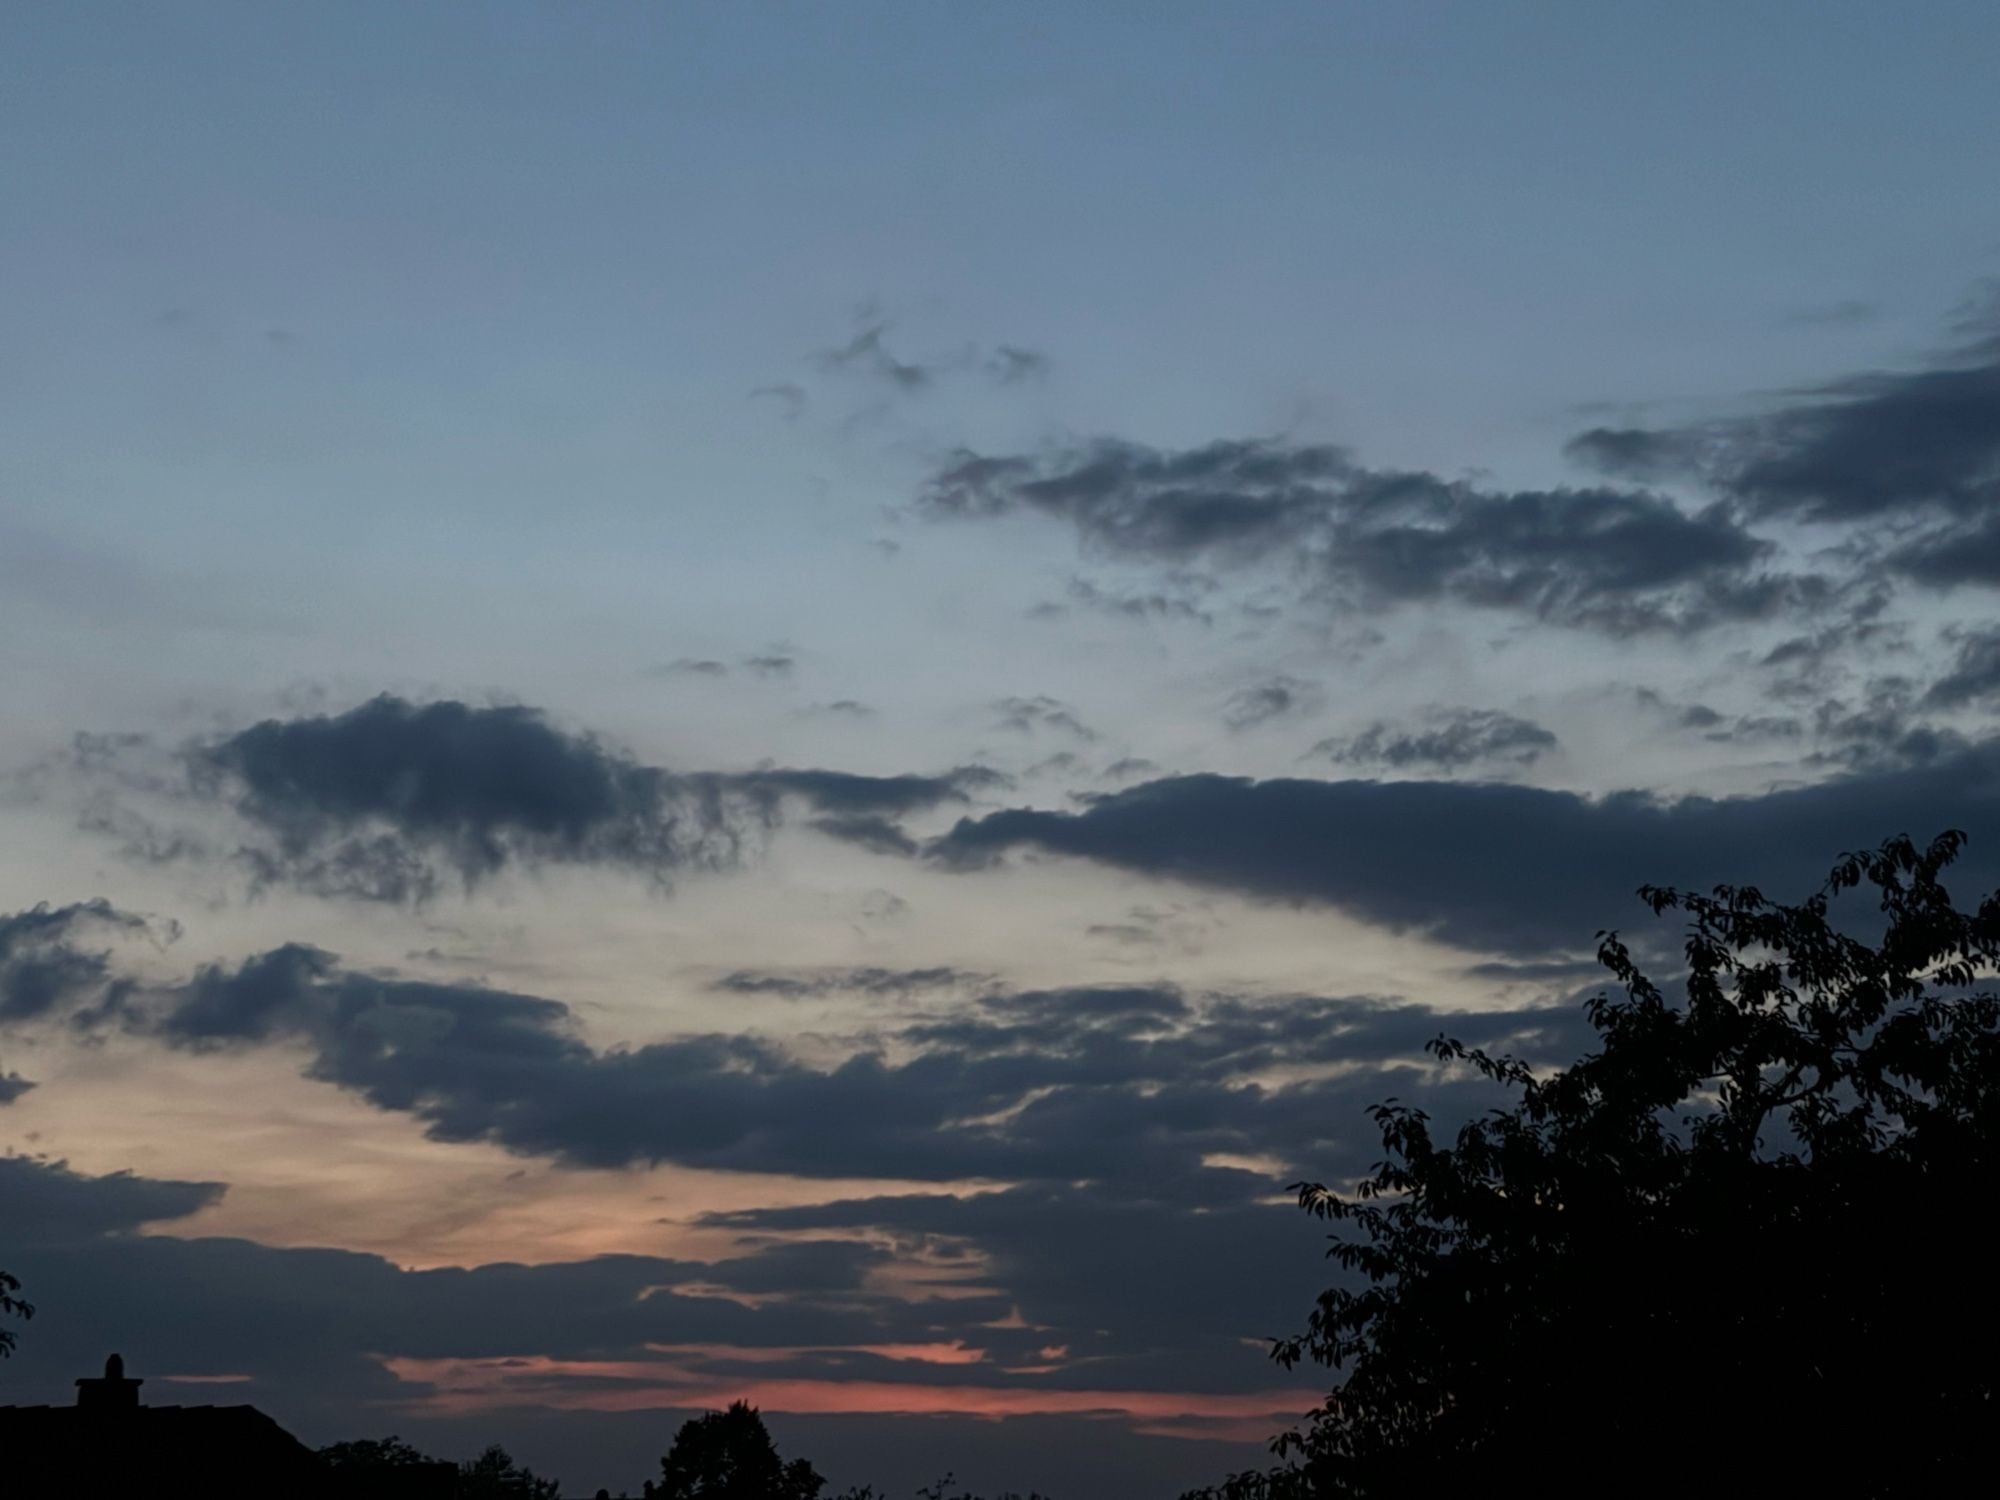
{"x": 1740, "y": 1248}
{"x": 495, "y": 1476}
{"x": 937, "y": 1489}
{"x": 729, "y": 1455}
{"x": 941, "y": 1489}
{"x": 11, "y": 1306}
{"x": 369, "y": 1457}
{"x": 390, "y": 1466}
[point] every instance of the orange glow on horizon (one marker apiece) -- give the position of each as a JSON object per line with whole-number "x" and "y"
{"x": 464, "y": 1387}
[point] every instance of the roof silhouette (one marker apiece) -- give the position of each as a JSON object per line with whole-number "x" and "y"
{"x": 109, "y": 1444}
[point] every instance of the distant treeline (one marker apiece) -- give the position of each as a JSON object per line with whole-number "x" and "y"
{"x": 720, "y": 1455}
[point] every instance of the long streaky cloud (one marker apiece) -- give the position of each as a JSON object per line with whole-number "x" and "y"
{"x": 1490, "y": 867}
{"x": 1909, "y": 457}
{"x": 1129, "y": 1084}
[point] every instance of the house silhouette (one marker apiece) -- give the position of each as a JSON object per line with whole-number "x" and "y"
{"x": 109, "y": 1444}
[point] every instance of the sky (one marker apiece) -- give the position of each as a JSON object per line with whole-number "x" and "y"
{"x": 785, "y": 701}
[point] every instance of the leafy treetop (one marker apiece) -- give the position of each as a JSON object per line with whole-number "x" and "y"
{"x": 729, "y": 1455}
{"x": 1739, "y": 1247}
{"x": 11, "y": 1306}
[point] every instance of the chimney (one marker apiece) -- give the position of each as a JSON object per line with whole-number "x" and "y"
{"x": 110, "y": 1391}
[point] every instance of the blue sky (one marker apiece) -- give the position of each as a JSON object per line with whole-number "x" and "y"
{"x": 1540, "y": 449}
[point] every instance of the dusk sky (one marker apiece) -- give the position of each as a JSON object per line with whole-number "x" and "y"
{"x": 784, "y": 701}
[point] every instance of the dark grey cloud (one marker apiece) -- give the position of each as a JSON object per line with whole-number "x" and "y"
{"x": 1127, "y": 1115}
{"x": 848, "y": 793}
{"x": 800, "y": 984}
{"x": 1177, "y": 598}
{"x": 1759, "y": 727}
{"x": 1104, "y": 1103}
{"x": 303, "y": 1332}
{"x": 693, "y": 666}
{"x": 13, "y": 1086}
{"x": 1010, "y": 364}
{"x": 1911, "y": 458}
{"x": 1025, "y": 715}
{"x": 43, "y": 1201}
{"x": 50, "y": 961}
{"x": 1506, "y": 869}
{"x": 1135, "y": 1084}
{"x": 1861, "y": 447}
{"x": 360, "y": 801}
{"x": 1915, "y": 745}
{"x": 324, "y": 1317}
{"x": 802, "y": 1266}
{"x": 1794, "y": 649}
{"x": 1967, "y": 553}
{"x": 1126, "y": 498}
{"x": 1259, "y": 702}
{"x": 1091, "y": 1083}
{"x": 388, "y": 800}
{"x": 1875, "y": 727}
{"x": 1449, "y": 738}
{"x": 1136, "y": 934}
{"x": 566, "y": 1309}
{"x": 1880, "y": 722}
{"x": 1718, "y": 727}
{"x": 1067, "y": 1251}
{"x": 1072, "y": 1258}
{"x": 1568, "y": 971}
{"x": 867, "y": 353}
{"x": 1802, "y": 669}
{"x": 1974, "y": 676}
{"x": 870, "y": 831}
{"x": 1129, "y": 765}
{"x": 767, "y": 664}
{"x": 1621, "y": 561}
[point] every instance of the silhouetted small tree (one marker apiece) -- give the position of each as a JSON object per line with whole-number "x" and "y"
{"x": 1740, "y": 1248}
{"x": 729, "y": 1455}
{"x": 366, "y": 1458}
{"x": 941, "y": 1489}
{"x": 495, "y": 1476}
{"x": 11, "y": 1306}
{"x": 373, "y": 1465}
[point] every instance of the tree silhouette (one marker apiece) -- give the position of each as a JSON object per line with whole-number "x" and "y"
{"x": 367, "y": 1458}
{"x": 1740, "y": 1247}
{"x": 729, "y": 1455}
{"x": 495, "y": 1476}
{"x": 11, "y": 1306}
{"x": 941, "y": 1489}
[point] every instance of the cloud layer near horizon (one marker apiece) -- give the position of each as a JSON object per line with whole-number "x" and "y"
{"x": 1141, "y": 1085}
